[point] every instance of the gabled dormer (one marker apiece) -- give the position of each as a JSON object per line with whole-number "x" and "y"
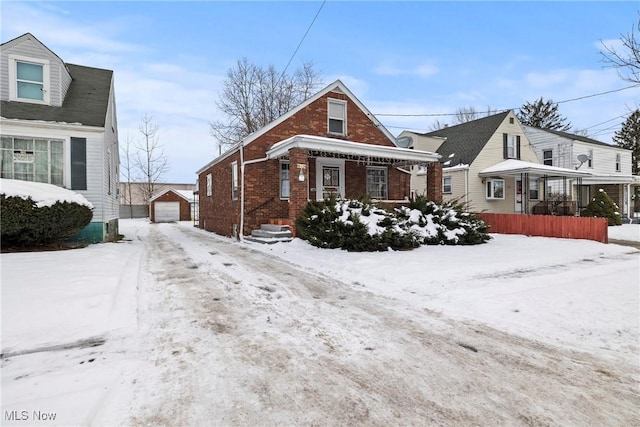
{"x": 32, "y": 73}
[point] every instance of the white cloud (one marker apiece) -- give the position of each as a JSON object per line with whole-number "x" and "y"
{"x": 420, "y": 70}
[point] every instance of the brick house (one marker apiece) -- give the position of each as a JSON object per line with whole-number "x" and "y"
{"x": 330, "y": 144}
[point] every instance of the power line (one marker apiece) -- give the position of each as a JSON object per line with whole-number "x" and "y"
{"x": 505, "y": 109}
{"x": 301, "y": 40}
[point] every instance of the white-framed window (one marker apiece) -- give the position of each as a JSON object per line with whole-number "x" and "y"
{"x": 377, "y": 182}
{"x": 534, "y": 187}
{"x": 29, "y": 79}
{"x": 590, "y": 161}
{"x": 32, "y": 159}
{"x": 209, "y": 185}
{"x": 446, "y": 185}
{"x": 234, "y": 180}
{"x": 495, "y": 189}
{"x": 284, "y": 180}
{"x": 618, "y": 165}
{"x": 511, "y": 146}
{"x": 337, "y": 116}
{"x": 547, "y": 157}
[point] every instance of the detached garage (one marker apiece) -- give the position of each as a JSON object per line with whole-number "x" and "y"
{"x": 170, "y": 206}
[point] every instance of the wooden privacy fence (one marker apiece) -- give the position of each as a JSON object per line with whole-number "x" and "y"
{"x": 568, "y": 227}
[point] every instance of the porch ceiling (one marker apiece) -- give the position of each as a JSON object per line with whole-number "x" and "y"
{"x": 318, "y": 146}
{"x": 514, "y": 167}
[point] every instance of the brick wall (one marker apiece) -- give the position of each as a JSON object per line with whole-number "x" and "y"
{"x": 434, "y": 182}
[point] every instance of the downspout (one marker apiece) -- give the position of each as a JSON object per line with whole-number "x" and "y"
{"x": 242, "y": 165}
{"x": 466, "y": 189}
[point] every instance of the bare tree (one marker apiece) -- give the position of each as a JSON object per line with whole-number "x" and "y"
{"x": 127, "y": 170}
{"x": 437, "y": 125}
{"x": 627, "y": 57}
{"x": 150, "y": 161}
{"x": 465, "y": 114}
{"x": 253, "y": 97}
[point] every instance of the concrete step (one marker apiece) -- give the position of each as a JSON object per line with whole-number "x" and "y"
{"x": 267, "y": 241}
{"x": 265, "y": 234}
{"x": 274, "y": 227}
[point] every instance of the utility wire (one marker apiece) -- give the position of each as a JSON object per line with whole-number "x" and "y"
{"x": 301, "y": 40}
{"x": 505, "y": 109}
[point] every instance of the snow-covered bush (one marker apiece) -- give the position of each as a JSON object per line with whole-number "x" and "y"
{"x": 358, "y": 225}
{"x": 37, "y": 214}
{"x": 602, "y": 206}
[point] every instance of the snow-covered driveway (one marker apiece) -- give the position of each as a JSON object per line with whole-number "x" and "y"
{"x": 247, "y": 339}
{"x": 229, "y": 334}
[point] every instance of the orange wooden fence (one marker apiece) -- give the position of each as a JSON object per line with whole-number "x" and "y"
{"x": 568, "y": 227}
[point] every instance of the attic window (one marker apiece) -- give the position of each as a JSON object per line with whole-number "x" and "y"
{"x": 337, "y": 117}
{"x": 29, "y": 79}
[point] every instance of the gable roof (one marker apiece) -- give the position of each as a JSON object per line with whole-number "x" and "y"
{"x": 575, "y": 137}
{"x": 336, "y": 86}
{"x": 29, "y": 36}
{"x": 187, "y": 195}
{"x": 466, "y": 140}
{"x": 86, "y": 101}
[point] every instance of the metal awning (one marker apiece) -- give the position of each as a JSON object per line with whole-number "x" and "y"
{"x": 514, "y": 167}
{"x": 318, "y": 146}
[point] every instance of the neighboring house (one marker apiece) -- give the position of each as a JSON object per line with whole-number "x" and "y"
{"x": 171, "y": 205}
{"x": 488, "y": 164}
{"x": 331, "y": 144}
{"x": 134, "y": 204}
{"x": 58, "y": 126}
{"x": 609, "y": 165}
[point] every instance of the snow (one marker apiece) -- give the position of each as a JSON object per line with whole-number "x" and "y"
{"x": 42, "y": 194}
{"x": 575, "y": 294}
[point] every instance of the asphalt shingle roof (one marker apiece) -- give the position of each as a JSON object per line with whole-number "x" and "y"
{"x": 577, "y": 137}
{"x": 86, "y": 101}
{"x": 466, "y": 140}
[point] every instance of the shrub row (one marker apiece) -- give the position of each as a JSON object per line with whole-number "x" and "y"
{"x": 358, "y": 225}
{"x": 24, "y": 223}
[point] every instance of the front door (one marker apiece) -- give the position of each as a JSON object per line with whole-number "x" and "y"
{"x": 329, "y": 178}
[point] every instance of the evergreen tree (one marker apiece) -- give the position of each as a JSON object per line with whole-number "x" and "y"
{"x": 602, "y": 206}
{"x": 629, "y": 137}
{"x": 543, "y": 115}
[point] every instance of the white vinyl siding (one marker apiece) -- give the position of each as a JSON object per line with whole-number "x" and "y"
{"x": 30, "y": 50}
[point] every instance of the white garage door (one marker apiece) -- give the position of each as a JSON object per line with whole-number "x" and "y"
{"x": 167, "y": 211}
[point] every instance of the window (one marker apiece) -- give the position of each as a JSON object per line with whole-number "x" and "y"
{"x": 234, "y": 180}
{"x": 29, "y": 79}
{"x": 590, "y": 161}
{"x": 284, "y": 180}
{"x": 511, "y": 146}
{"x": 337, "y": 117}
{"x": 377, "y": 183}
{"x": 446, "y": 185}
{"x": 30, "y": 159}
{"x": 547, "y": 157}
{"x": 209, "y": 185}
{"x": 618, "y": 167}
{"x": 533, "y": 189}
{"x": 495, "y": 189}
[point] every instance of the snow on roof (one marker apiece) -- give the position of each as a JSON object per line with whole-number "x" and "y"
{"x": 514, "y": 167}
{"x": 42, "y": 194}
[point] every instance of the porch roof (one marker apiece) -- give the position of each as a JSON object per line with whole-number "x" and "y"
{"x": 514, "y": 167}
{"x": 331, "y": 147}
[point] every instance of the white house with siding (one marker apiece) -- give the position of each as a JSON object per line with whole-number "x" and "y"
{"x": 609, "y": 165}
{"x": 490, "y": 165}
{"x": 58, "y": 125}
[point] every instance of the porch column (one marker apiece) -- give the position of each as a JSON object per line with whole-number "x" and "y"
{"x": 434, "y": 182}
{"x": 298, "y": 189}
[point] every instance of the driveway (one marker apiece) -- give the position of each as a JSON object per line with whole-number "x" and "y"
{"x": 233, "y": 336}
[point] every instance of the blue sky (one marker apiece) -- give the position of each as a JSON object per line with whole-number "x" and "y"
{"x": 170, "y": 58}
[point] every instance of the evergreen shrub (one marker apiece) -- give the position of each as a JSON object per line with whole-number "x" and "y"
{"x": 25, "y": 224}
{"x": 360, "y": 226}
{"x": 601, "y": 206}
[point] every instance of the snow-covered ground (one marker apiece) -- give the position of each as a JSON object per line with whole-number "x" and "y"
{"x": 573, "y": 294}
